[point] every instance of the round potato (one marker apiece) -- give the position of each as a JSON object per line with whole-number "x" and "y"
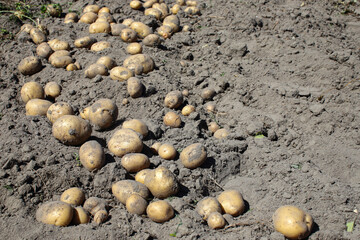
{"x": 61, "y": 62}
{"x": 140, "y": 176}
{"x": 84, "y": 114}
{"x": 31, "y": 90}
{"x": 101, "y": 216}
{"x": 134, "y": 48}
{"x": 88, "y": 18}
{"x": 71, "y": 130}
{"x": 71, "y": 17}
{"x": 192, "y": 10}
{"x": 292, "y": 222}
{"x": 96, "y": 69}
{"x": 100, "y": 27}
{"x": 134, "y": 162}
{"x": 37, "y": 36}
{"x": 84, "y": 42}
{"x": 221, "y": 133}
{"x": 58, "y": 110}
{"x": 120, "y": 73}
{"x": 57, "y": 45}
{"x": 72, "y": 67}
{"x": 73, "y": 196}
{"x": 167, "y": 151}
{"x": 173, "y": 99}
{"x": 213, "y": 127}
{"x": 136, "y": 204}
{"x": 92, "y": 155}
{"x": 91, "y": 8}
{"x": 123, "y": 189}
{"x": 216, "y": 220}
{"x": 151, "y": 40}
{"x": 125, "y": 141}
{"x": 30, "y": 65}
{"x": 136, "y": 4}
{"x": 140, "y": 59}
{"x": 128, "y": 35}
{"x": 155, "y": 147}
{"x": 232, "y": 202}
{"x": 207, "y": 93}
{"x": 128, "y": 22}
{"x": 193, "y": 156}
{"x": 187, "y": 110}
{"x": 44, "y": 50}
{"x": 173, "y": 120}
{"x": 99, "y": 46}
{"x": 141, "y": 29}
{"x": 175, "y": 9}
{"x": 56, "y": 213}
{"x": 134, "y": 87}
{"x": 80, "y": 216}
{"x": 37, "y": 107}
{"x": 207, "y": 206}
{"x": 117, "y": 28}
{"x": 160, "y": 211}
{"x": 103, "y": 113}
{"x": 52, "y": 89}
{"x": 161, "y": 182}
{"x": 163, "y": 8}
{"x": 165, "y": 31}
{"x": 103, "y": 10}
{"x": 137, "y": 125}
{"x": 107, "y": 61}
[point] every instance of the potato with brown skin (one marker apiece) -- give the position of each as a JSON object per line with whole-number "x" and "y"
{"x": 134, "y": 87}
{"x": 72, "y": 67}
{"x": 213, "y": 127}
{"x": 136, "y": 204}
{"x": 107, "y": 61}
{"x": 173, "y": 120}
{"x": 141, "y": 29}
{"x": 161, "y": 182}
{"x": 167, "y": 151}
{"x": 216, "y": 220}
{"x": 57, "y": 45}
{"x": 123, "y": 189}
{"x": 173, "y": 99}
{"x": 52, "y": 90}
{"x": 187, "y": 110}
{"x": 232, "y": 202}
{"x": 105, "y": 17}
{"x": 175, "y": 9}
{"x": 135, "y": 162}
{"x": 140, "y": 59}
{"x": 125, "y": 141}
{"x": 61, "y": 62}
{"x": 55, "y": 212}
{"x": 151, "y": 40}
{"x": 80, "y": 216}
{"x": 99, "y": 27}
{"x": 37, "y": 107}
{"x": 140, "y": 176}
{"x": 128, "y": 35}
{"x": 160, "y": 211}
{"x": 103, "y": 113}
{"x": 71, "y": 130}
{"x": 292, "y": 222}
{"x": 134, "y": 48}
{"x": 135, "y": 4}
{"x": 193, "y": 156}
{"x": 84, "y": 114}
{"x": 96, "y": 69}
{"x": 208, "y": 205}
{"x": 149, "y": 3}
{"x": 73, "y": 196}
{"x": 44, "y": 50}
{"x": 37, "y": 36}
{"x": 92, "y": 155}
{"x": 84, "y": 42}
{"x": 221, "y": 133}
{"x": 31, "y": 90}
{"x": 120, "y": 73}
{"x": 91, "y": 8}
{"x": 59, "y": 109}
{"x": 71, "y": 17}
{"x": 99, "y": 46}
{"x": 192, "y": 10}
{"x": 117, "y": 28}
{"x": 59, "y": 53}
{"x": 101, "y": 216}
{"x": 163, "y": 8}
{"x": 30, "y": 66}
{"x": 137, "y": 125}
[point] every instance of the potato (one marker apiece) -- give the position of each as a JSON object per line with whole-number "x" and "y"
{"x": 187, "y": 110}
{"x": 141, "y": 29}
{"x": 128, "y": 35}
{"x": 107, "y": 61}
{"x": 71, "y": 17}
{"x": 61, "y": 62}
{"x": 134, "y": 87}
{"x": 80, "y": 216}
{"x": 192, "y": 10}
{"x": 186, "y": 28}
{"x": 136, "y": 125}
{"x": 44, "y": 50}
{"x": 163, "y": 8}
{"x": 84, "y": 114}
{"x": 94, "y": 204}
{"x": 161, "y": 182}
{"x": 151, "y": 40}
{"x": 117, "y": 28}
{"x": 31, "y": 90}
{"x": 153, "y": 12}
{"x": 213, "y": 127}
{"x": 59, "y": 53}
{"x": 120, "y": 73}
{"x": 72, "y": 67}
{"x": 136, "y": 204}
{"x": 140, "y": 59}
{"x": 71, "y": 130}
{"x": 100, "y": 27}
{"x": 185, "y": 92}
{"x": 103, "y": 113}
{"x": 58, "y": 110}
{"x": 140, "y": 176}
{"x": 216, "y": 220}
{"x": 26, "y": 28}
{"x": 55, "y": 212}
{"x": 128, "y": 22}
{"x": 232, "y": 202}
{"x": 210, "y": 107}
{"x": 136, "y": 69}
{"x": 125, "y": 141}
{"x": 84, "y": 42}
{"x": 173, "y": 99}
{"x": 149, "y": 3}
{"x": 191, "y": 3}
{"x": 173, "y": 21}
{"x": 92, "y": 155}
{"x": 206, "y": 206}
{"x": 101, "y": 216}
{"x": 167, "y": 151}
{"x": 91, "y": 8}
{"x": 292, "y": 222}
{"x": 181, "y": 2}
{"x": 57, "y": 45}
{"x": 160, "y": 211}
{"x": 73, "y": 196}
{"x": 37, "y": 107}
{"x": 173, "y": 120}
{"x": 30, "y": 65}
{"x": 134, "y": 48}
{"x": 99, "y": 46}
{"x": 37, "y": 36}
{"x": 165, "y": 31}
{"x": 54, "y": 10}
{"x": 193, "y": 156}
{"x": 135, "y": 4}
{"x": 96, "y": 69}
{"x": 155, "y": 147}
{"x": 207, "y": 93}
{"x": 105, "y": 17}
{"x": 221, "y": 133}
{"x": 103, "y": 10}
{"x": 175, "y": 9}
{"x": 134, "y": 162}
{"x": 52, "y": 89}
{"x": 123, "y": 189}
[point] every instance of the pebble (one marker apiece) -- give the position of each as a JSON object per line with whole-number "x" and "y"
{"x": 316, "y": 109}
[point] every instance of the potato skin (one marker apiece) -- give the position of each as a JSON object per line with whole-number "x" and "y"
{"x": 167, "y": 151}
{"x": 206, "y": 206}
{"x": 91, "y": 8}
{"x": 37, "y": 107}
{"x": 73, "y": 196}
{"x": 137, "y": 125}
{"x": 151, "y": 40}
{"x": 125, "y": 141}
{"x": 193, "y": 156}
{"x": 128, "y": 35}
{"x": 161, "y": 182}
{"x": 187, "y": 110}
{"x": 58, "y": 110}
{"x": 173, "y": 120}
{"x": 221, "y": 133}
{"x": 232, "y": 202}
{"x": 134, "y": 48}
{"x": 84, "y": 42}
{"x": 107, "y": 61}
{"x": 30, "y": 65}
{"x": 92, "y": 155}
{"x": 96, "y": 69}
{"x": 71, "y": 17}
{"x": 61, "y": 61}
{"x": 99, "y": 46}
{"x": 141, "y": 59}
{"x": 31, "y": 90}
{"x": 94, "y": 204}
{"x": 52, "y": 89}
{"x": 136, "y": 204}
{"x": 160, "y": 211}
{"x": 89, "y": 17}
{"x": 216, "y": 220}
{"x": 103, "y": 113}
{"x": 56, "y": 213}
{"x": 120, "y": 73}
{"x": 173, "y": 99}
{"x": 140, "y": 176}
{"x": 80, "y": 216}
{"x": 99, "y": 27}
{"x": 134, "y": 162}
{"x": 37, "y": 36}
{"x": 141, "y": 29}
{"x": 134, "y": 87}
{"x": 123, "y": 189}
{"x": 44, "y": 50}
{"x": 117, "y": 28}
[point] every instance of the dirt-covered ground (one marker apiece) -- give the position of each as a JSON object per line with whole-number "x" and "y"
{"x": 286, "y": 75}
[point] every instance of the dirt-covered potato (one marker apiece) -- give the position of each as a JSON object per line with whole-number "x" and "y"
{"x": 191, "y": 3}
{"x": 173, "y": 99}
{"x": 58, "y": 110}
{"x": 99, "y": 46}
{"x": 57, "y": 45}
{"x": 80, "y": 216}
{"x": 30, "y": 65}
{"x": 73, "y": 196}
{"x": 71, "y": 17}
{"x": 232, "y": 202}
{"x": 61, "y": 62}
{"x": 213, "y": 127}
{"x": 136, "y": 4}
{"x": 151, "y": 40}
{"x": 31, "y": 90}
{"x": 160, "y": 211}
{"x": 94, "y": 204}
{"x": 163, "y": 8}
{"x": 193, "y": 10}
{"x": 186, "y": 28}
{"x": 206, "y": 206}
{"x": 137, "y": 125}
{"x": 193, "y": 156}
{"x": 153, "y": 12}
{"x": 141, "y": 29}
{"x": 92, "y": 155}
{"x": 128, "y": 35}
{"x": 101, "y": 216}
{"x": 117, "y": 28}
{"x": 127, "y": 22}
{"x": 71, "y": 130}
{"x": 84, "y": 113}
{"x": 84, "y": 42}
{"x": 44, "y": 50}
{"x": 149, "y": 3}
{"x": 55, "y": 212}
{"x": 216, "y": 220}
{"x": 59, "y": 53}
{"x": 181, "y": 2}
{"x": 107, "y": 61}
{"x": 210, "y": 107}
{"x": 72, "y": 67}
{"x": 167, "y": 151}
{"x": 165, "y": 31}
{"x": 105, "y": 17}
{"x": 140, "y": 59}
{"x": 26, "y": 28}
{"x": 134, "y": 48}
{"x": 221, "y": 133}
{"x": 37, "y": 107}
{"x": 91, "y": 8}
{"x": 103, "y": 10}
{"x": 207, "y": 93}
{"x": 120, "y": 73}
{"x": 173, "y": 21}
{"x": 100, "y": 27}
{"x": 123, "y": 189}
{"x": 140, "y": 176}
{"x": 135, "y": 162}
{"x": 136, "y": 204}
{"x": 134, "y": 87}
{"x": 175, "y": 9}
{"x": 52, "y": 89}
{"x": 96, "y": 69}
{"x": 173, "y": 120}
{"x": 37, "y": 36}
{"x": 103, "y": 113}
{"x": 187, "y": 110}
{"x": 292, "y": 222}
{"x": 161, "y": 182}
{"x": 125, "y": 141}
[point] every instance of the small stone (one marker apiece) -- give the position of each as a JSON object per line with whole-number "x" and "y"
{"x": 287, "y": 195}
{"x": 316, "y": 109}
{"x": 188, "y": 56}
{"x": 26, "y": 148}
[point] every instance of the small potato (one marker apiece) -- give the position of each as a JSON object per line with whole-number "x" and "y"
{"x": 187, "y": 110}
{"x": 210, "y": 107}
{"x": 84, "y": 114}
{"x": 73, "y": 196}
{"x": 56, "y": 213}
{"x": 128, "y": 22}
{"x": 61, "y": 62}
{"x": 91, "y": 8}
{"x": 185, "y": 92}
{"x": 104, "y": 9}
{"x": 134, "y": 48}
{"x": 173, "y": 120}
{"x": 140, "y": 176}
{"x": 58, "y": 110}
{"x": 216, "y": 220}
{"x": 160, "y": 211}
{"x": 117, "y": 28}
{"x": 167, "y": 151}
{"x": 232, "y": 202}
{"x": 120, "y": 73}
{"x": 101, "y": 216}
{"x": 151, "y": 40}
{"x": 71, "y": 130}
{"x": 181, "y": 2}
{"x": 186, "y": 28}
{"x": 134, "y": 162}
{"x": 163, "y": 8}
{"x": 140, "y": 59}
{"x": 88, "y": 18}
{"x": 54, "y": 10}
{"x": 192, "y": 10}
{"x": 125, "y": 141}
{"x": 191, "y": 3}
{"x": 141, "y": 29}
{"x": 105, "y": 17}
{"x": 94, "y": 204}
{"x": 149, "y": 3}
{"x": 193, "y": 156}
{"x": 71, "y": 17}
{"x": 165, "y": 31}
{"x": 213, "y": 127}
{"x": 221, "y": 133}
{"x": 107, "y": 61}
{"x": 72, "y": 67}
{"x": 30, "y": 65}
{"x": 172, "y": 19}
{"x": 123, "y": 189}
{"x": 26, "y": 28}
{"x": 31, "y": 90}
{"x": 44, "y": 50}
{"x": 207, "y": 93}
{"x": 155, "y": 147}
{"x": 96, "y": 69}
{"x": 103, "y": 113}
{"x": 292, "y": 222}
{"x": 206, "y": 206}
{"x": 134, "y": 87}
{"x": 37, "y": 36}
{"x": 80, "y": 216}
{"x": 135, "y": 4}
{"x": 137, "y": 125}
{"x": 52, "y": 89}
{"x": 136, "y": 204}
{"x": 153, "y": 12}
{"x": 175, "y": 9}
{"x": 92, "y": 155}
{"x": 173, "y": 99}
{"x": 84, "y": 42}
{"x": 128, "y": 35}
{"x": 37, "y": 107}
{"x": 99, "y": 27}
{"x": 57, "y": 45}
{"x": 99, "y": 46}
{"x": 161, "y": 182}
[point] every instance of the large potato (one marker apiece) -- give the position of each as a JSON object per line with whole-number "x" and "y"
{"x": 128, "y": 35}
{"x": 96, "y": 69}
{"x": 71, "y": 17}
{"x": 73, "y": 196}
{"x": 207, "y": 206}
{"x": 100, "y": 27}
{"x": 31, "y": 90}
{"x": 172, "y": 119}
{"x": 193, "y": 156}
{"x": 61, "y": 62}
{"x": 56, "y": 213}
{"x": 88, "y": 18}
{"x": 232, "y": 202}
{"x": 30, "y": 65}
{"x": 37, "y": 36}
{"x": 99, "y": 46}
{"x": 160, "y": 211}
{"x": 141, "y": 29}
{"x": 37, "y": 107}
{"x": 120, "y": 73}
{"x": 71, "y": 130}
{"x": 161, "y": 182}
{"x": 140, "y": 59}
{"x": 137, "y": 125}
{"x": 57, "y": 45}
{"x": 107, "y": 61}
{"x": 26, "y": 28}
{"x": 123, "y": 189}
{"x": 134, "y": 162}
{"x": 44, "y": 50}
{"x": 59, "y": 109}
{"x": 125, "y": 141}
{"x": 103, "y": 113}
{"x": 173, "y": 99}
{"x": 151, "y": 40}
{"x": 84, "y": 42}
{"x": 59, "y": 53}
{"x": 153, "y": 12}
{"x": 173, "y": 21}
{"x": 92, "y": 155}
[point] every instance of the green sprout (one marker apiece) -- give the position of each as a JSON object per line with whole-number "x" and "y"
{"x": 177, "y": 228}
{"x": 77, "y": 159}
{"x": 9, "y": 187}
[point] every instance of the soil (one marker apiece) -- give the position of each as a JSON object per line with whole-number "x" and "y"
{"x": 286, "y": 77}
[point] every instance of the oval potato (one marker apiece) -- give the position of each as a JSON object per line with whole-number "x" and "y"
{"x": 125, "y": 141}
{"x": 55, "y": 212}
{"x": 123, "y": 189}
{"x": 193, "y": 156}
{"x": 92, "y": 155}
{"x": 58, "y": 110}
{"x": 31, "y": 90}
{"x": 37, "y": 107}
{"x": 30, "y": 66}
